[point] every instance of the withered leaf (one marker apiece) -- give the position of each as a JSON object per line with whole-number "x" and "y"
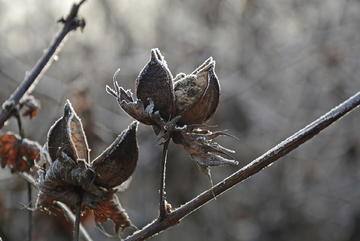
{"x": 110, "y": 208}
{"x": 32, "y": 107}
{"x": 18, "y": 153}
{"x": 46, "y": 204}
{"x": 204, "y": 151}
{"x": 118, "y": 162}
{"x": 29, "y": 111}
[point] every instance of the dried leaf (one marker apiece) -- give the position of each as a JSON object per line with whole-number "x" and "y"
{"x": 110, "y": 208}
{"x": 118, "y": 162}
{"x": 204, "y": 152}
{"x": 32, "y": 107}
{"x": 46, "y": 204}
{"x": 18, "y": 153}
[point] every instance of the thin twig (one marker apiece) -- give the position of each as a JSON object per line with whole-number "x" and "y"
{"x": 77, "y": 220}
{"x": 66, "y": 210}
{"x": 252, "y": 168}
{"x": 30, "y": 227}
{"x": 70, "y": 23}
{"x": 162, "y": 206}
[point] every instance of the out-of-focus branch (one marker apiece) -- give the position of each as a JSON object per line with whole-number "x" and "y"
{"x": 71, "y": 22}
{"x": 67, "y": 212}
{"x": 291, "y": 143}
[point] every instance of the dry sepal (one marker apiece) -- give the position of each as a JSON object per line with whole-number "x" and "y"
{"x": 71, "y": 177}
{"x": 177, "y": 107}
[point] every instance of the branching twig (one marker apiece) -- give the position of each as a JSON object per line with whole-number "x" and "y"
{"x": 71, "y": 22}
{"x": 252, "y": 168}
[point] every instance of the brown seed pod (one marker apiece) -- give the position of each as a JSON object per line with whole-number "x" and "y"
{"x": 155, "y": 82}
{"x": 197, "y": 95}
{"x": 67, "y": 133}
{"x": 118, "y": 162}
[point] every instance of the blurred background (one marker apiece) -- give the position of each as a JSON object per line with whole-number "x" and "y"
{"x": 281, "y": 65}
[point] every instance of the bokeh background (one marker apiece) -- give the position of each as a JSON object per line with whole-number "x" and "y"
{"x": 281, "y": 65}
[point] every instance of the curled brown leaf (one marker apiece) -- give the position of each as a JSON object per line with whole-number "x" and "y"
{"x": 110, "y": 208}
{"x": 18, "y": 153}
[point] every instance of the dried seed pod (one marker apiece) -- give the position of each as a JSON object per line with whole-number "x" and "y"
{"x": 67, "y": 133}
{"x": 71, "y": 178}
{"x": 118, "y": 162}
{"x": 155, "y": 83}
{"x": 197, "y": 95}
{"x": 76, "y": 135}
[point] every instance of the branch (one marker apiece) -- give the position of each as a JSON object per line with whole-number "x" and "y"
{"x": 252, "y": 168}
{"x": 67, "y": 212}
{"x": 72, "y": 22}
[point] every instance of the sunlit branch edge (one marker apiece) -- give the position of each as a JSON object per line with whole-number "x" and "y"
{"x": 280, "y": 150}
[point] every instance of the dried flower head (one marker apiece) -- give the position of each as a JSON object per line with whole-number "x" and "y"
{"x": 71, "y": 177}
{"x": 177, "y": 107}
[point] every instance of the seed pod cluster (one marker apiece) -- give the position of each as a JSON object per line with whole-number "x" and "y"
{"x": 177, "y": 107}
{"x": 71, "y": 177}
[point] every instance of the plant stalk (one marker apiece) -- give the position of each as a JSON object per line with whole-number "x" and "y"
{"x": 77, "y": 221}
{"x": 162, "y": 205}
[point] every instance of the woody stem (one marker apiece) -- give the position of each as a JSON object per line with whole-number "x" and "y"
{"x": 30, "y": 213}
{"x": 77, "y": 220}
{"x": 162, "y": 205}
{"x": 70, "y": 23}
